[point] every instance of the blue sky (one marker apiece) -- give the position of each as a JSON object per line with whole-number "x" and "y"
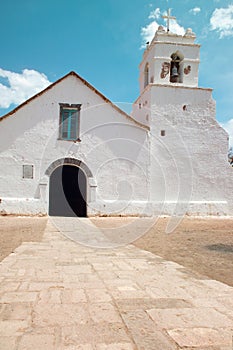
{"x": 101, "y": 40}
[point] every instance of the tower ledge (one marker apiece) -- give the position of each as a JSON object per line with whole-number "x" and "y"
{"x": 163, "y": 36}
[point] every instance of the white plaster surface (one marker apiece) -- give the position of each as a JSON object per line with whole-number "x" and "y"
{"x": 114, "y": 147}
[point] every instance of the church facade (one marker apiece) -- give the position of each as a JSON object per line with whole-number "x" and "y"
{"x": 69, "y": 151}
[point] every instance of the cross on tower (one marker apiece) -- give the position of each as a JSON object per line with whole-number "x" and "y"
{"x": 168, "y": 17}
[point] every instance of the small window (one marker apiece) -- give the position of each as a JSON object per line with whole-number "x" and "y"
{"x": 146, "y": 75}
{"x": 69, "y": 121}
{"x": 27, "y": 171}
{"x": 162, "y": 133}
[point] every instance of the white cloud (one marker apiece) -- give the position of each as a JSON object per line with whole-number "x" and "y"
{"x": 176, "y": 28}
{"x": 228, "y": 126}
{"x": 155, "y": 14}
{"x": 222, "y": 21}
{"x": 20, "y": 86}
{"x": 148, "y": 32}
{"x": 195, "y": 10}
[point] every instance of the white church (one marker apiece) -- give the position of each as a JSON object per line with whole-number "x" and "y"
{"x": 69, "y": 151}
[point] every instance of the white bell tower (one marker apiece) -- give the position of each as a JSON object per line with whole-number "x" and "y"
{"x": 187, "y": 145}
{"x": 170, "y": 59}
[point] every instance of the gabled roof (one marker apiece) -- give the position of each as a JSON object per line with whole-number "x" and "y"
{"x": 85, "y": 83}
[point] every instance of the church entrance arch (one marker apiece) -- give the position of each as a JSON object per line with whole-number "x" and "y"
{"x": 68, "y": 187}
{"x": 68, "y": 192}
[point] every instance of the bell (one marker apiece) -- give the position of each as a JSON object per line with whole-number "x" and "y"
{"x": 175, "y": 72}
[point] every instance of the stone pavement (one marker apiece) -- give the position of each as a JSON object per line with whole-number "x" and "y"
{"x": 58, "y": 295}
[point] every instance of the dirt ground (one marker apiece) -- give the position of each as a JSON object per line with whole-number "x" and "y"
{"x": 15, "y": 230}
{"x": 203, "y": 245}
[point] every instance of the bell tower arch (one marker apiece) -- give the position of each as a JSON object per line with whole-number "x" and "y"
{"x": 176, "y": 70}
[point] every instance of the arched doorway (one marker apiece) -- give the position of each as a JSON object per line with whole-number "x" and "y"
{"x": 67, "y": 192}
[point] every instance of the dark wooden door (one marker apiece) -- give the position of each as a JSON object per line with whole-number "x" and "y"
{"x": 67, "y": 192}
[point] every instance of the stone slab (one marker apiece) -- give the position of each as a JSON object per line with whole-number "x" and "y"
{"x": 200, "y": 337}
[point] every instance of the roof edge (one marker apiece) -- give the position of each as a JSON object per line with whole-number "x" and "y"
{"x": 72, "y": 73}
{"x": 34, "y": 97}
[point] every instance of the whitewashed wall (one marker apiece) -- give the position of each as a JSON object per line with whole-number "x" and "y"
{"x": 189, "y": 164}
{"x": 113, "y": 147}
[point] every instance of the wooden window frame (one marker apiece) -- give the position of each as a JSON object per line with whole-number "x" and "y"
{"x": 70, "y": 108}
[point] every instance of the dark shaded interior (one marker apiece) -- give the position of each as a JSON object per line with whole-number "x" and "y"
{"x": 67, "y": 192}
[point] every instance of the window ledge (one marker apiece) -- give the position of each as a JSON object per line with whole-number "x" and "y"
{"x": 77, "y": 140}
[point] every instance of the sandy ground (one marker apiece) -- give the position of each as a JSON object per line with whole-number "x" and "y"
{"x": 15, "y": 230}
{"x": 203, "y": 245}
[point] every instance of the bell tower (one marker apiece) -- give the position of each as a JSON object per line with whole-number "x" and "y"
{"x": 182, "y": 126}
{"x": 170, "y": 59}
